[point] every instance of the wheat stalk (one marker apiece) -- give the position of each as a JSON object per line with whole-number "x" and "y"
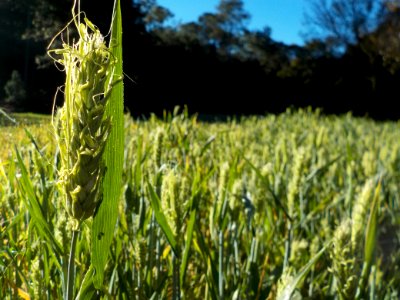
{"x": 81, "y": 126}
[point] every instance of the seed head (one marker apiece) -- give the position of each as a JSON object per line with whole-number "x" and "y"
{"x": 82, "y": 128}
{"x": 158, "y": 147}
{"x": 344, "y": 266}
{"x": 295, "y": 181}
{"x": 359, "y": 214}
{"x": 169, "y": 201}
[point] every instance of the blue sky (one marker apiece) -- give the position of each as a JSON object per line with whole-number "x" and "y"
{"x": 285, "y": 17}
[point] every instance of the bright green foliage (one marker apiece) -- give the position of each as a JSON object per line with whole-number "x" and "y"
{"x": 106, "y": 217}
{"x": 235, "y": 183}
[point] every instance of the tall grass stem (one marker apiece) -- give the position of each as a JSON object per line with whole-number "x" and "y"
{"x": 71, "y": 267}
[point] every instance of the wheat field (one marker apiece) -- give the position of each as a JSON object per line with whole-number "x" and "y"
{"x": 294, "y": 206}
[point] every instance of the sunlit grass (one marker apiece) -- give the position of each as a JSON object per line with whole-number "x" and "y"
{"x": 15, "y": 136}
{"x": 234, "y": 209}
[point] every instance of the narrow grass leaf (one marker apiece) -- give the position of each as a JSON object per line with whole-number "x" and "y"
{"x": 138, "y": 166}
{"x": 323, "y": 169}
{"x": 106, "y": 216}
{"x": 161, "y": 219}
{"x": 371, "y": 231}
{"x": 35, "y": 209}
{"x": 8, "y": 117}
{"x": 87, "y": 290}
{"x": 207, "y": 145}
{"x": 291, "y": 286}
{"x": 370, "y": 243}
{"x": 212, "y": 272}
{"x": 33, "y": 140}
{"x": 278, "y": 203}
{"x": 186, "y": 251}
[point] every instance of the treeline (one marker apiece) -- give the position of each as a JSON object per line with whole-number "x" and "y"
{"x": 216, "y": 65}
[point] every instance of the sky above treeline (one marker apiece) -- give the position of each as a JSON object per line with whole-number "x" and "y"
{"x": 284, "y": 17}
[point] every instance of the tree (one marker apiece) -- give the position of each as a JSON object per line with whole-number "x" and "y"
{"x": 385, "y": 39}
{"x": 224, "y": 28}
{"x": 15, "y": 91}
{"x": 343, "y": 22}
{"x": 156, "y": 16}
{"x": 13, "y": 20}
{"x": 47, "y": 18}
{"x": 188, "y": 34}
{"x": 259, "y": 46}
{"x": 233, "y": 17}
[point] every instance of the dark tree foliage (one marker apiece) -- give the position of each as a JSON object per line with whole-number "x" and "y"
{"x": 385, "y": 39}
{"x": 361, "y": 36}
{"x": 12, "y": 49}
{"x": 15, "y": 91}
{"x": 215, "y": 65}
{"x": 21, "y": 47}
{"x": 344, "y": 22}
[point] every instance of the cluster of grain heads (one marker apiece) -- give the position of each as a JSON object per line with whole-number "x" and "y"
{"x": 353, "y": 244}
{"x": 205, "y": 213}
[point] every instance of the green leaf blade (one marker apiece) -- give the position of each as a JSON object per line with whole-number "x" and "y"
{"x": 34, "y": 208}
{"x": 189, "y": 236}
{"x": 161, "y": 219}
{"x": 106, "y": 217}
{"x": 372, "y": 226}
{"x": 289, "y": 289}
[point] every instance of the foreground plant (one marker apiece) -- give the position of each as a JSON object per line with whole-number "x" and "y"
{"x": 83, "y": 126}
{"x": 351, "y": 256}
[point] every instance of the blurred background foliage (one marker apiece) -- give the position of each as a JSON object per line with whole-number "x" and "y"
{"x": 349, "y": 61}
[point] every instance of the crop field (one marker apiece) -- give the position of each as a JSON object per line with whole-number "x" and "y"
{"x": 294, "y": 206}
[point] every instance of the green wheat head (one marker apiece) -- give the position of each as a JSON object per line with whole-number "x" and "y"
{"x": 82, "y": 128}
{"x": 344, "y": 266}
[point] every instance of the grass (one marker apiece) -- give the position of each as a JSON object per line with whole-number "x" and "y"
{"x": 23, "y": 119}
{"x": 253, "y": 208}
{"x": 280, "y": 207}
